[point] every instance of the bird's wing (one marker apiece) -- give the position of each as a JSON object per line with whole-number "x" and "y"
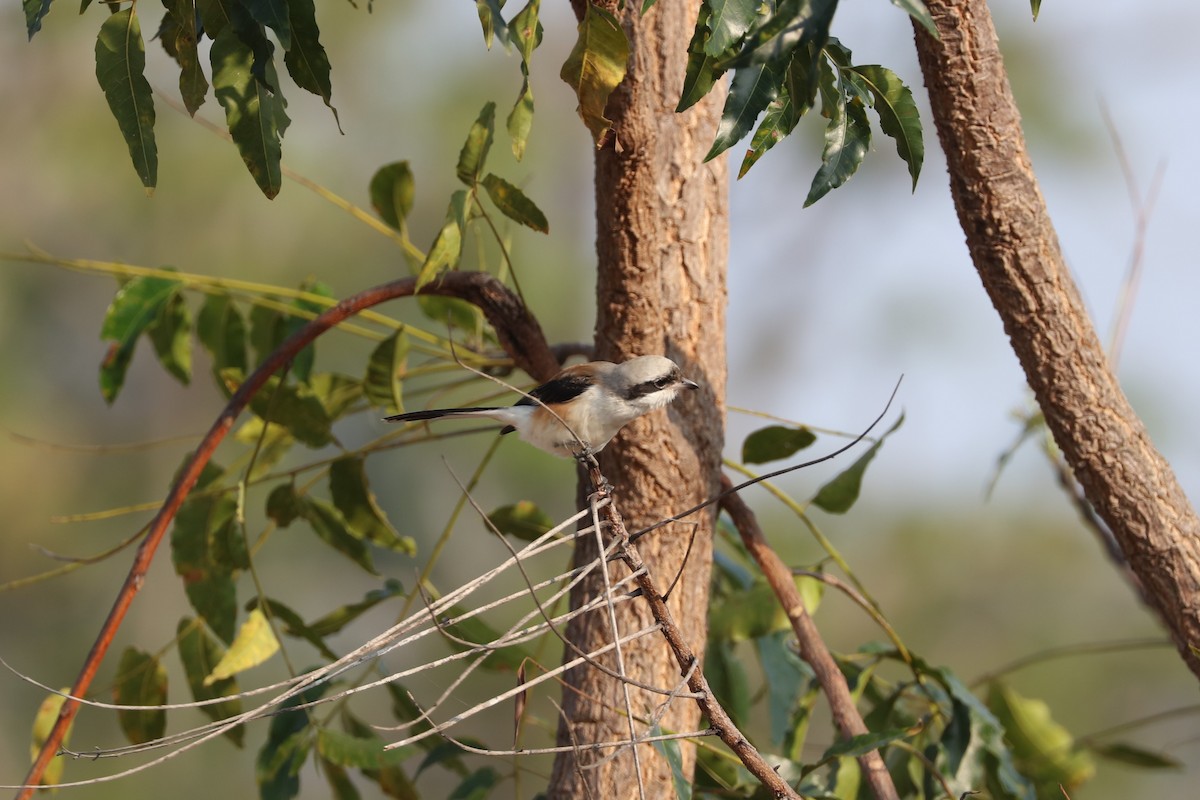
{"x": 566, "y": 385}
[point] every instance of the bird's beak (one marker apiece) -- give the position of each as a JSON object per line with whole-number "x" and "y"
{"x": 686, "y": 384}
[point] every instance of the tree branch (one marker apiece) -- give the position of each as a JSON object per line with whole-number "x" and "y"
{"x": 1017, "y": 255}
{"x": 518, "y": 331}
{"x": 812, "y": 646}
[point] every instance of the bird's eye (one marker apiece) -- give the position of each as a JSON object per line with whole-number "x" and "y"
{"x": 662, "y": 382}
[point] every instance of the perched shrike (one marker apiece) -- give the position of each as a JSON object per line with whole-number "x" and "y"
{"x": 590, "y": 401}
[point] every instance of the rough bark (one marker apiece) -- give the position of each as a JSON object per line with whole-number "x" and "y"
{"x": 1017, "y": 255}
{"x": 662, "y": 237}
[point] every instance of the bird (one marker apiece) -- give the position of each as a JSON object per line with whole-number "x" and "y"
{"x": 578, "y": 411}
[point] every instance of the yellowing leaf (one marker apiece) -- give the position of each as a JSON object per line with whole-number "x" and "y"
{"x": 475, "y": 150}
{"x": 513, "y": 203}
{"x": 254, "y": 644}
{"x": 595, "y": 66}
{"x": 43, "y": 723}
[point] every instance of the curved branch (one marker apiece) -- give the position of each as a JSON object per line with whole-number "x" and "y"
{"x": 1016, "y": 252}
{"x": 517, "y": 330}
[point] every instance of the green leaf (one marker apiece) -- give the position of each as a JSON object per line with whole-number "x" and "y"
{"x": 898, "y": 117}
{"x": 271, "y": 445}
{"x": 773, "y": 41}
{"x": 291, "y": 624}
{"x": 383, "y": 384}
{"x": 752, "y": 90}
{"x": 669, "y": 749}
{"x": 274, "y": 15}
{"x": 134, "y": 309}
{"x": 35, "y": 12}
{"x": 120, "y": 64}
{"x": 748, "y": 614}
{"x": 181, "y": 44}
{"x": 288, "y": 743}
{"x": 171, "y": 335}
{"x": 255, "y": 644}
{"x": 728, "y": 679}
{"x": 972, "y": 747}
{"x": 1043, "y": 750}
{"x": 774, "y": 443}
{"x": 478, "y": 785}
{"x": 595, "y": 66}
{"x": 200, "y": 651}
{"x": 522, "y": 520}
{"x": 730, "y": 21}
{"x": 447, "y": 247}
{"x": 340, "y": 785}
{"x": 839, "y": 494}
{"x": 392, "y": 192}
{"x": 525, "y": 32}
{"x": 267, "y": 330}
{"x": 302, "y": 362}
{"x": 338, "y": 393}
{"x": 1034, "y": 5}
{"x": 362, "y": 752}
{"x": 222, "y": 331}
{"x": 141, "y": 681}
{"x": 788, "y": 678}
{"x": 353, "y": 498}
{"x": 204, "y": 525}
{"x": 283, "y": 505}
{"x": 1133, "y": 756}
{"x": 513, "y": 203}
{"x": 491, "y": 20}
{"x": 305, "y": 59}
{"x": 475, "y": 149}
{"x": 917, "y": 10}
{"x": 796, "y": 98}
{"x": 254, "y": 113}
{"x": 214, "y": 16}
{"x": 700, "y": 73}
{"x": 295, "y": 407}
{"x": 847, "y": 139}
{"x": 520, "y": 120}
{"x": 342, "y": 616}
{"x": 452, "y": 312}
{"x": 862, "y": 744}
{"x": 331, "y": 527}
{"x": 392, "y": 780}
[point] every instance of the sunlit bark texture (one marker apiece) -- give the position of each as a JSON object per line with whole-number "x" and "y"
{"x": 1016, "y": 252}
{"x": 661, "y": 241}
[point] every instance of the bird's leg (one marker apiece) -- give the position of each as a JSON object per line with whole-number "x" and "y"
{"x": 601, "y": 488}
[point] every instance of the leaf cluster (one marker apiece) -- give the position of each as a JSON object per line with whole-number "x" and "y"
{"x": 783, "y": 58}
{"x": 241, "y": 72}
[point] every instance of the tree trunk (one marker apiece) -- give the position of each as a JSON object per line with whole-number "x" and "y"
{"x": 662, "y": 237}
{"x": 1016, "y": 252}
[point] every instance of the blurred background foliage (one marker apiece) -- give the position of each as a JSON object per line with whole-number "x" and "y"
{"x": 828, "y": 306}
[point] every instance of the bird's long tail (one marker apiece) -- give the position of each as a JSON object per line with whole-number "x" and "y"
{"x": 439, "y": 413}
